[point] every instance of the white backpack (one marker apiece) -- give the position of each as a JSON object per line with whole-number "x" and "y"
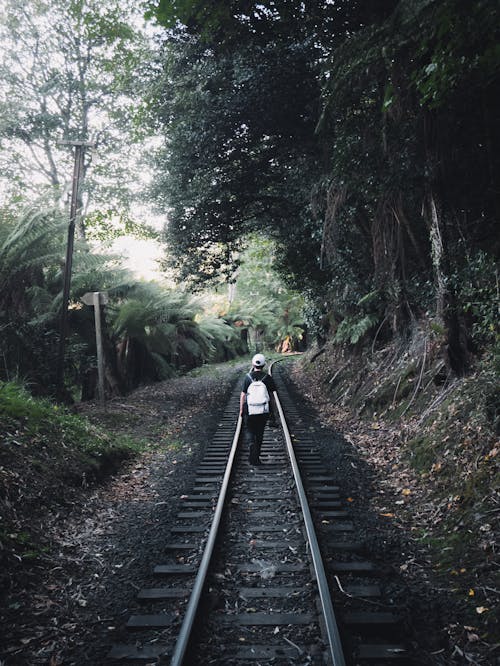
{"x": 257, "y": 397}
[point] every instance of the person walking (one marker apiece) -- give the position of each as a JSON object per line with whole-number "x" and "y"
{"x": 255, "y": 405}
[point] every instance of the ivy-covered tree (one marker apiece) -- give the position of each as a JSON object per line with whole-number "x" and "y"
{"x": 406, "y": 113}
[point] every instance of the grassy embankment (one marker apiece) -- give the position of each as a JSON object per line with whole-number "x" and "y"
{"x": 47, "y": 455}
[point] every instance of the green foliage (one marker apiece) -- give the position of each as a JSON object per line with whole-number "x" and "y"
{"x": 225, "y": 341}
{"x": 46, "y": 451}
{"x": 377, "y": 234}
{"x": 353, "y": 330}
{"x": 263, "y": 303}
{"x": 350, "y": 138}
{"x": 17, "y": 403}
{"x": 149, "y": 332}
{"x": 404, "y": 121}
{"x": 164, "y": 332}
{"x": 460, "y": 47}
{"x": 477, "y": 286}
{"x": 160, "y": 323}
{"x": 106, "y": 225}
{"x": 32, "y": 247}
{"x": 222, "y": 24}
{"x": 27, "y": 244}
{"x": 28, "y": 421}
{"x": 201, "y": 16}
{"x": 234, "y": 123}
{"x": 70, "y": 71}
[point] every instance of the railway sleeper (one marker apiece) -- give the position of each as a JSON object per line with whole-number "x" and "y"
{"x": 139, "y": 653}
{"x": 266, "y": 653}
{"x": 381, "y": 652}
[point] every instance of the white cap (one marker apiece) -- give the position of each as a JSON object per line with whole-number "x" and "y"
{"x": 259, "y": 361}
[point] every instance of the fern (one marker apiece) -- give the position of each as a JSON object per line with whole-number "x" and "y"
{"x": 31, "y": 241}
{"x": 351, "y": 330}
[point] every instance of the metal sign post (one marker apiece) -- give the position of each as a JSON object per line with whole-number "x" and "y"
{"x": 98, "y": 298}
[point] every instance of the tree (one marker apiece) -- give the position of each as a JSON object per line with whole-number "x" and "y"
{"x": 149, "y": 332}
{"x": 160, "y": 332}
{"x": 230, "y": 139}
{"x": 31, "y": 250}
{"x": 365, "y": 183}
{"x": 69, "y": 71}
{"x": 239, "y": 102}
{"x": 262, "y": 304}
{"x": 406, "y": 120}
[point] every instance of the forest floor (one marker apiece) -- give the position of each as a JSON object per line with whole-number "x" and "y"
{"x": 65, "y": 606}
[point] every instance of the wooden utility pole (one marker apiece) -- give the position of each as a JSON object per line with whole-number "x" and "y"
{"x": 77, "y": 172}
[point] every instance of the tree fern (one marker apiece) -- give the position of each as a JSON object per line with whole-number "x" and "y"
{"x": 163, "y": 324}
{"x": 31, "y": 241}
{"x": 352, "y": 329}
{"x": 224, "y": 338}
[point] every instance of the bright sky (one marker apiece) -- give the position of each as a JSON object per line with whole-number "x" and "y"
{"x": 141, "y": 256}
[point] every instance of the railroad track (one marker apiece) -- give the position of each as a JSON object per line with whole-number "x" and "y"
{"x": 254, "y": 559}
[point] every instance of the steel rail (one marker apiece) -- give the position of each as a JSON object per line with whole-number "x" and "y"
{"x": 331, "y": 628}
{"x": 194, "y": 600}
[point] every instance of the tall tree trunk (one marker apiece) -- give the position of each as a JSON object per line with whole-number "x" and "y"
{"x": 447, "y": 305}
{"x": 437, "y": 254}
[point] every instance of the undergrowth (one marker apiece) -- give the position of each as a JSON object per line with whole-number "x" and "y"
{"x": 47, "y": 454}
{"x": 36, "y": 422}
{"x": 455, "y": 451}
{"x": 443, "y": 430}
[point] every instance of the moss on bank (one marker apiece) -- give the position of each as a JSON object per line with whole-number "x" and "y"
{"x": 46, "y": 455}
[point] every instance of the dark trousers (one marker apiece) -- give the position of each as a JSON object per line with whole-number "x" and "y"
{"x": 254, "y": 425}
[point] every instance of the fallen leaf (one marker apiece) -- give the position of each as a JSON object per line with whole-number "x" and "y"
{"x": 481, "y": 609}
